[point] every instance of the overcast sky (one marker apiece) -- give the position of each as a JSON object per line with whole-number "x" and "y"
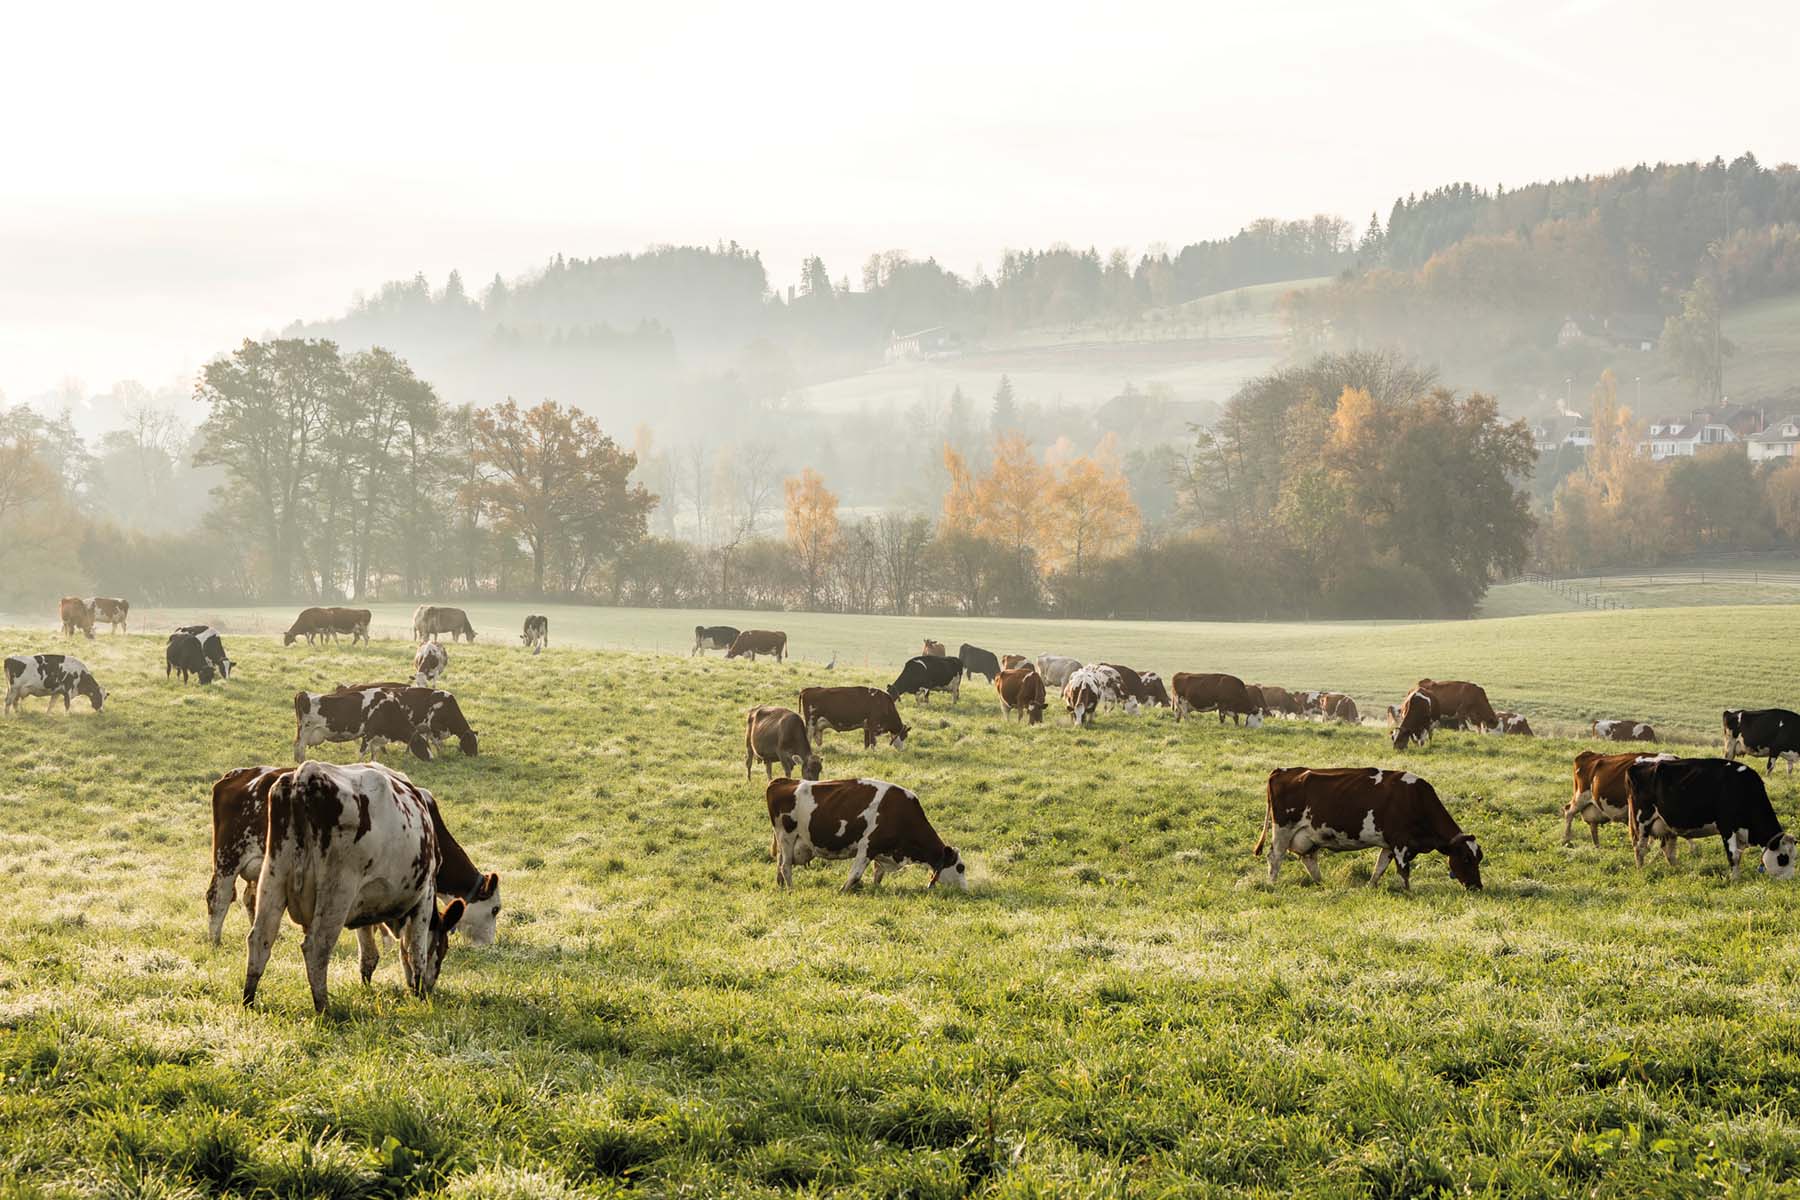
{"x": 176, "y": 177}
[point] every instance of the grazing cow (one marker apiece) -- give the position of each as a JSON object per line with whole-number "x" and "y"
{"x": 52, "y": 675}
{"x": 1701, "y": 797}
{"x": 1600, "y": 790}
{"x": 434, "y": 713}
{"x": 778, "y": 735}
{"x": 537, "y": 634}
{"x": 429, "y": 663}
{"x": 240, "y": 828}
{"x": 846, "y": 708}
{"x": 1309, "y": 702}
{"x": 1254, "y": 691}
{"x": 753, "y": 642}
{"x": 311, "y": 623}
{"x": 1393, "y": 717}
{"x": 1022, "y": 691}
{"x": 213, "y": 646}
{"x": 865, "y": 820}
{"x": 1356, "y": 808}
{"x": 432, "y": 621}
{"x": 1203, "y": 692}
{"x": 976, "y": 661}
{"x": 1012, "y": 662}
{"x": 933, "y": 649}
{"x": 114, "y": 611}
{"x": 1623, "y": 731}
{"x": 349, "y": 848}
{"x": 371, "y": 717}
{"x": 185, "y": 654}
{"x": 1139, "y": 688}
{"x": 1276, "y": 700}
{"x": 76, "y": 613}
{"x": 1417, "y": 712}
{"x": 1056, "y": 669}
{"x": 1339, "y": 706}
{"x": 713, "y": 637}
{"x": 1457, "y": 698}
{"x": 924, "y": 674}
{"x": 1763, "y": 732}
{"x": 1083, "y": 694}
{"x": 1512, "y": 722}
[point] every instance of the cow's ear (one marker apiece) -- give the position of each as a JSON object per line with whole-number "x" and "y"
{"x": 488, "y": 886}
{"x": 453, "y": 913}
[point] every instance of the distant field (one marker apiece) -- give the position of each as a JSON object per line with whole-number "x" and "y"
{"x": 1120, "y": 1008}
{"x": 1729, "y": 583}
{"x": 1563, "y": 670}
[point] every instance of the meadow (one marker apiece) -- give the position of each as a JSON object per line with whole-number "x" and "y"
{"x": 1121, "y": 1006}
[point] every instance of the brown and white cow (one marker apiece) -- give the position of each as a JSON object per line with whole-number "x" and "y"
{"x": 1084, "y": 692}
{"x": 76, "y": 614}
{"x": 430, "y": 621}
{"x": 869, "y": 821}
{"x": 1275, "y": 699}
{"x": 114, "y": 611}
{"x": 1514, "y": 723}
{"x": 1415, "y": 719}
{"x": 537, "y": 633}
{"x": 1197, "y": 692}
{"x": 1012, "y": 662}
{"x": 1141, "y": 687}
{"x": 753, "y": 642}
{"x": 934, "y": 649}
{"x": 850, "y": 708}
{"x": 1623, "y": 731}
{"x": 429, "y": 663}
{"x": 778, "y": 735}
{"x": 371, "y": 717}
{"x": 1021, "y": 691}
{"x": 1601, "y": 791}
{"x": 1338, "y": 706}
{"x": 240, "y": 830}
{"x": 1459, "y": 699}
{"x": 1352, "y": 808}
{"x": 350, "y": 847}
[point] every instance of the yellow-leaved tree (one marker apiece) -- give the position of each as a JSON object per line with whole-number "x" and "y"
{"x": 812, "y": 527}
{"x": 1090, "y": 514}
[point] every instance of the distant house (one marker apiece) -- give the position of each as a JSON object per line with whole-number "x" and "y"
{"x": 1581, "y": 435}
{"x": 1570, "y": 333}
{"x": 1775, "y": 442}
{"x": 1683, "y": 439}
{"x": 935, "y": 342}
{"x": 1632, "y": 331}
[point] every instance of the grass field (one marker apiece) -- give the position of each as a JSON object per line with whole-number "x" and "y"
{"x": 1121, "y": 1007}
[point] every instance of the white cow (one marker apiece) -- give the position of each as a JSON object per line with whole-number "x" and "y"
{"x": 430, "y": 663}
{"x": 1083, "y": 694}
{"x": 347, "y": 847}
{"x": 1055, "y": 669}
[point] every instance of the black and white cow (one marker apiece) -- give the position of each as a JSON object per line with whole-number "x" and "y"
{"x": 924, "y": 674}
{"x": 430, "y": 663}
{"x": 350, "y": 848}
{"x": 371, "y": 717}
{"x": 1705, "y": 797}
{"x": 713, "y": 637}
{"x": 52, "y": 675}
{"x": 1770, "y": 733}
{"x": 537, "y": 633}
{"x": 213, "y": 647}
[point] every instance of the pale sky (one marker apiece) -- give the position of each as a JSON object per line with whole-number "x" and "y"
{"x": 174, "y": 178}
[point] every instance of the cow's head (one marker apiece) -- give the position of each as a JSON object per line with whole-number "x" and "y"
{"x": 420, "y": 746}
{"x": 469, "y": 743}
{"x": 812, "y": 768}
{"x": 1080, "y": 702}
{"x": 289, "y": 638}
{"x": 1034, "y": 712}
{"x": 951, "y": 868}
{"x": 1464, "y": 853}
{"x": 481, "y": 917}
{"x": 1401, "y": 736}
{"x": 90, "y": 687}
{"x": 206, "y": 672}
{"x": 442, "y": 925}
{"x": 419, "y": 680}
{"x": 225, "y": 668}
{"x": 1778, "y": 856}
{"x": 898, "y": 740}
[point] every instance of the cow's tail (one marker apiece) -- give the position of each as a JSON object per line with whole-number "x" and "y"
{"x": 1268, "y": 823}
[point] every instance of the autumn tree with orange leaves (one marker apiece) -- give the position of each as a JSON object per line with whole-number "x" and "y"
{"x": 812, "y": 528}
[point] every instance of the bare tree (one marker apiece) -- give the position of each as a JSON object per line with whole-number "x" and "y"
{"x": 901, "y": 540}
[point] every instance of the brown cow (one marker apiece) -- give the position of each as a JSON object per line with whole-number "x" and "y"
{"x": 753, "y": 642}
{"x": 846, "y": 708}
{"x": 240, "y": 827}
{"x": 1340, "y": 706}
{"x": 353, "y": 621}
{"x": 1460, "y": 699}
{"x": 869, "y": 821}
{"x": 1355, "y": 808}
{"x": 778, "y": 735}
{"x": 76, "y": 613}
{"x": 311, "y": 623}
{"x": 114, "y": 611}
{"x": 1200, "y": 692}
{"x": 1623, "y": 731}
{"x": 1021, "y": 691}
{"x": 1277, "y": 700}
{"x": 934, "y": 649}
{"x": 1012, "y": 662}
{"x": 1601, "y": 792}
{"x": 431, "y": 620}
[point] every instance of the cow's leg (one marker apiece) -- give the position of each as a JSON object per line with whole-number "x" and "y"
{"x": 1668, "y": 846}
{"x": 784, "y": 861}
{"x": 879, "y": 875}
{"x": 1640, "y": 845}
{"x": 1310, "y": 860}
{"x": 1594, "y": 831}
{"x": 956, "y": 690}
{"x": 1278, "y": 848}
{"x": 1569, "y": 811}
{"x": 271, "y": 903}
{"x": 329, "y": 912}
{"x": 370, "y": 952}
{"x": 857, "y": 868}
{"x": 219, "y": 897}
{"x": 1381, "y": 864}
{"x": 415, "y": 942}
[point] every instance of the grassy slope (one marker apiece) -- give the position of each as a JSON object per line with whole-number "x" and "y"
{"x": 1119, "y": 1008}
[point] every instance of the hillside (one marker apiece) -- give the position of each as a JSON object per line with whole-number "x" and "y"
{"x": 1121, "y": 1005}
